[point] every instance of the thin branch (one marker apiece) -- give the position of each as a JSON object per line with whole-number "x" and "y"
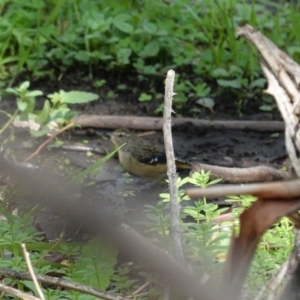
{"x": 48, "y": 141}
{"x": 29, "y": 265}
{"x": 172, "y": 175}
{"x": 151, "y": 123}
{"x": 58, "y": 282}
{"x": 290, "y": 289}
{"x": 17, "y": 293}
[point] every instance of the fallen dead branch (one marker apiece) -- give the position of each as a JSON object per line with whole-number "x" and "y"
{"x": 283, "y": 75}
{"x": 242, "y": 175}
{"x": 279, "y": 190}
{"x": 15, "y": 292}
{"x": 150, "y": 123}
{"x": 57, "y": 282}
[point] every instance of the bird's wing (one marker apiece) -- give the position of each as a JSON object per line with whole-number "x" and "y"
{"x": 151, "y": 155}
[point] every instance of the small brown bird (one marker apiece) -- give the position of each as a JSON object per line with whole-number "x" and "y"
{"x": 140, "y": 157}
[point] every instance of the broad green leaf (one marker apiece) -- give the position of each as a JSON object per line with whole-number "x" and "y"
{"x": 75, "y": 97}
{"x": 44, "y": 113}
{"x": 24, "y": 86}
{"x": 266, "y": 107}
{"x": 258, "y": 83}
{"x": 94, "y": 166}
{"x": 96, "y": 265}
{"x": 123, "y": 56}
{"x": 229, "y": 83}
{"x": 144, "y": 97}
{"x": 83, "y": 56}
{"x": 151, "y": 49}
{"x": 150, "y": 27}
{"x": 34, "y": 93}
{"x": 206, "y": 102}
{"x": 220, "y": 72}
{"x": 22, "y": 105}
{"x": 121, "y": 23}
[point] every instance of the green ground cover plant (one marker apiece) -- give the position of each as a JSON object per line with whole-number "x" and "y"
{"x": 144, "y": 39}
{"x": 94, "y": 262}
{"x": 54, "y": 113}
{"x": 206, "y": 242}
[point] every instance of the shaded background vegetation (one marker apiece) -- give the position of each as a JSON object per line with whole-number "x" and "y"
{"x": 136, "y": 42}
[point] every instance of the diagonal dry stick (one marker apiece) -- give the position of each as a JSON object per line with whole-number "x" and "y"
{"x": 45, "y": 143}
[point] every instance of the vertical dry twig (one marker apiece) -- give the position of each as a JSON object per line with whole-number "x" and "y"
{"x": 29, "y": 265}
{"x": 172, "y": 175}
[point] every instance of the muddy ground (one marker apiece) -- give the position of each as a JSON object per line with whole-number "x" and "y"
{"x": 126, "y": 195}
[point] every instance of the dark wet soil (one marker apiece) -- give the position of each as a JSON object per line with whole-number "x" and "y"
{"x": 126, "y": 195}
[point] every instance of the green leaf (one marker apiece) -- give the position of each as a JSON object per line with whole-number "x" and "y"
{"x": 38, "y": 133}
{"x": 145, "y": 97}
{"x": 151, "y": 49}
{"x": 96, "y": 265}
{"x": 83, "y": 56}
{"x": 11, "y": 91}
{"x": 120, "y": 23}
{"x": 266, "y": 107}
{"x": 99, "y": 83}
{"x": 43, "y": 116}
{"x": 206, "y": 102}
{"x": 95, "y": 166}
{"x": 258, "y": 83}
{"x": 22, "y": 105}
{"x": 164, "y": 195}
{"x": 75, "y": 97}
{"x": 34, "y": 93}
{"x": 220, "y": 72}
{"x": 215, "y": 181}
{"x": 24, "y": 86}
{"x": 150, "y": 27}
{"x": 123, "y": 56}
{"x": 229, "y": 83}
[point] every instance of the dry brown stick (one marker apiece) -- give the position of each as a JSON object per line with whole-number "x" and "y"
{"x": 242, "y": 175}
{"x": 151, "y": 123}
{"x": 58, "y": 282}
{"x": 9, "y": 290}
{"x": 279, "y": 69}
{"x": 172, "y": 174}
{"x": 286, "y": 110}
{"x": 31, "y": 272}
{"x": 278, "y": 190}
{"x": 270, "y": 50}
{"x": 290, "y": 289}
{"x": 290, "y": 149}
{"x": 48, "y": 141}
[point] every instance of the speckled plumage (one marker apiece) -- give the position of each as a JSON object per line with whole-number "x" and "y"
{"x": 139, "y": 156}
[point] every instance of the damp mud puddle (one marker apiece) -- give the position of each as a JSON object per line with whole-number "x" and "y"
{"x": 112, "y": 189}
